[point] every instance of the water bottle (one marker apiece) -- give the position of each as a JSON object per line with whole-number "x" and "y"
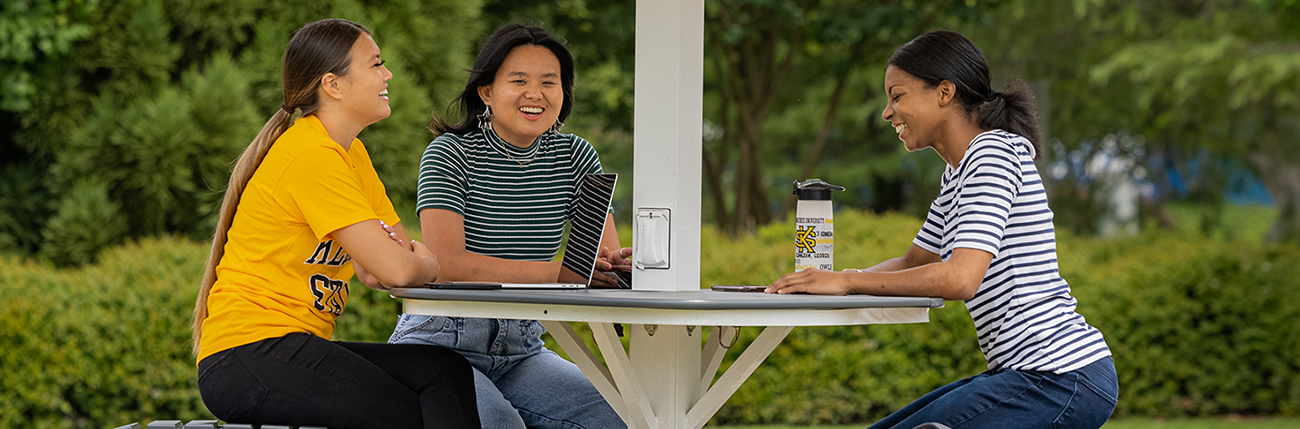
{"x": 814, "y": 225}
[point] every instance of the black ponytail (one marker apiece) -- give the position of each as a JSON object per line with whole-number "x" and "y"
{"x": 944, "y": 55}
{"x": 1012, "y": 110}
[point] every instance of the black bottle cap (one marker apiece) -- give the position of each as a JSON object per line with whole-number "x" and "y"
{"x": 815, "y": 189}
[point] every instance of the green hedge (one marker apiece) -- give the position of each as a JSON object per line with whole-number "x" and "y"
{"x": 1198, "y": 327}
{"x": 101, "y": 346}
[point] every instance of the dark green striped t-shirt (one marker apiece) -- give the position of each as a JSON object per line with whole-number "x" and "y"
{"x": 514, "y": 201}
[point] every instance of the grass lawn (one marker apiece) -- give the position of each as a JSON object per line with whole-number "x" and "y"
{"x": 1205, "y": 423}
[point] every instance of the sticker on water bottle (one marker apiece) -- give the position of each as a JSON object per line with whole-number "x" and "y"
{"x": 814, "y": 244}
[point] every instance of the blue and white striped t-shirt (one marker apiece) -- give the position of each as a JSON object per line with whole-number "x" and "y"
{"x": 514, "y": 201}
{"x": 1024, "y": 314}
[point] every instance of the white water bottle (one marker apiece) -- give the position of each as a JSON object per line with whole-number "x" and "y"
{"x": 814, "y": 230}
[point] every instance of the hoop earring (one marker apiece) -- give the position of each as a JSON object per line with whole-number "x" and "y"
{"x": 555, "y": 129}
{"x": 485, "y": 118}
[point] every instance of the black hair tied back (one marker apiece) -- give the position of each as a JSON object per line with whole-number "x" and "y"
{"x": 944, "y": 55}
{"x": 1012, "y": 110}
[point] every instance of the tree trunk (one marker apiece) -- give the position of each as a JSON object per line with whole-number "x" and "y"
{"x": 1282, "y": 179}
{"x": 751, "y": 196}
{"x": 754, "y": 74}
{"x": 814, "y": 155}
{"x": 715, "y": 162}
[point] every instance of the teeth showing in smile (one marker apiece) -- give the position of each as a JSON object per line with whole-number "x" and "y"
{"x": 383, "y": 93}
{"x": 531, "y": 110}
{"x": 899, "y": 128}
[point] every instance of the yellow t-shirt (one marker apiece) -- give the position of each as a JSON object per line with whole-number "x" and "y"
{"x": 282, "y": 272}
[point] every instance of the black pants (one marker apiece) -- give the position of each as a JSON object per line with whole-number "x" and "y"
{"x": 301, "y": 379}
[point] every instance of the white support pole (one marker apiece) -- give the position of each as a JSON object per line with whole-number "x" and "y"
{"x": 667, "y": 357}
{"x": 668, "y": 117}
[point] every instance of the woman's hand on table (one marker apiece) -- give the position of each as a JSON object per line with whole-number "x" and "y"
{"x": 813, "y": 281}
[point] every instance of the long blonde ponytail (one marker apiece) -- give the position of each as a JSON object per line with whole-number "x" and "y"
{"x": 316, "y": 49}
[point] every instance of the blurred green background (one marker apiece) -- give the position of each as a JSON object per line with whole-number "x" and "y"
{"x": 1170, "y": 154}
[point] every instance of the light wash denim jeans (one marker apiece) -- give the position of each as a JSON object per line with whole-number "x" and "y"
{"x": 1079, "y": 399}
{"x": 518, "y": 382}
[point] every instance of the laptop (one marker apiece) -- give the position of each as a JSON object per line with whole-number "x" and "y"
{"x": 595, "y": 194}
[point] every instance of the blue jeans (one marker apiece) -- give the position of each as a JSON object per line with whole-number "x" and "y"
{"x": 518, "y": 383}
{"x": 1083, "y": 398}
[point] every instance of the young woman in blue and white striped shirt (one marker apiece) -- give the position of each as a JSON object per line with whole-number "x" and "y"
{"x": 988, "y": 240}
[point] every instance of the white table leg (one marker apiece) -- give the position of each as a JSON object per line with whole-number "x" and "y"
{"x": 620, "y": 384}
{"x": 588, "y": 363}
{"x": 740, "y": 370}
{"x": 631, "y": 394}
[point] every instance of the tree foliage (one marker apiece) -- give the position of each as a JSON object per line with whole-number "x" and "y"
{"x": 1197, "y": 80}
{"x": 1222, "y": 78}
{"x": 33, "y": 30}
{"x": 764, "y": 58}
{"x": 154, "y": 98}
{"x": 140, "y": 106}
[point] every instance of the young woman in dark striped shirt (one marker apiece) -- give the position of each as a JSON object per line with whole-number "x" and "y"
{"x": 989, "y": 241}
{"x": 495, "y": 191}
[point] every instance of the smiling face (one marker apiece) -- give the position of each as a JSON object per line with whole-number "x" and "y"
{"x": 365, "y": 87}
{"x": 914, "y": 109}
{"x": 526, "y": 95}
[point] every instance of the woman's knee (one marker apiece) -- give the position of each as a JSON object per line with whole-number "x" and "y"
{"x": 446, "y": 364}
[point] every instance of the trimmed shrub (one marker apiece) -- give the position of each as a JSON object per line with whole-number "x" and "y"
{"x": 103, "y": 345}
{"x": 1198, "y": 328}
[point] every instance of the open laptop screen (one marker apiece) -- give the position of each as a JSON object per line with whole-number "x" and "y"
{"x": 587, "y": 223}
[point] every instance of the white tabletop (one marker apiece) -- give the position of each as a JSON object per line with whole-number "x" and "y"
{"x": 691, "y": 308}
